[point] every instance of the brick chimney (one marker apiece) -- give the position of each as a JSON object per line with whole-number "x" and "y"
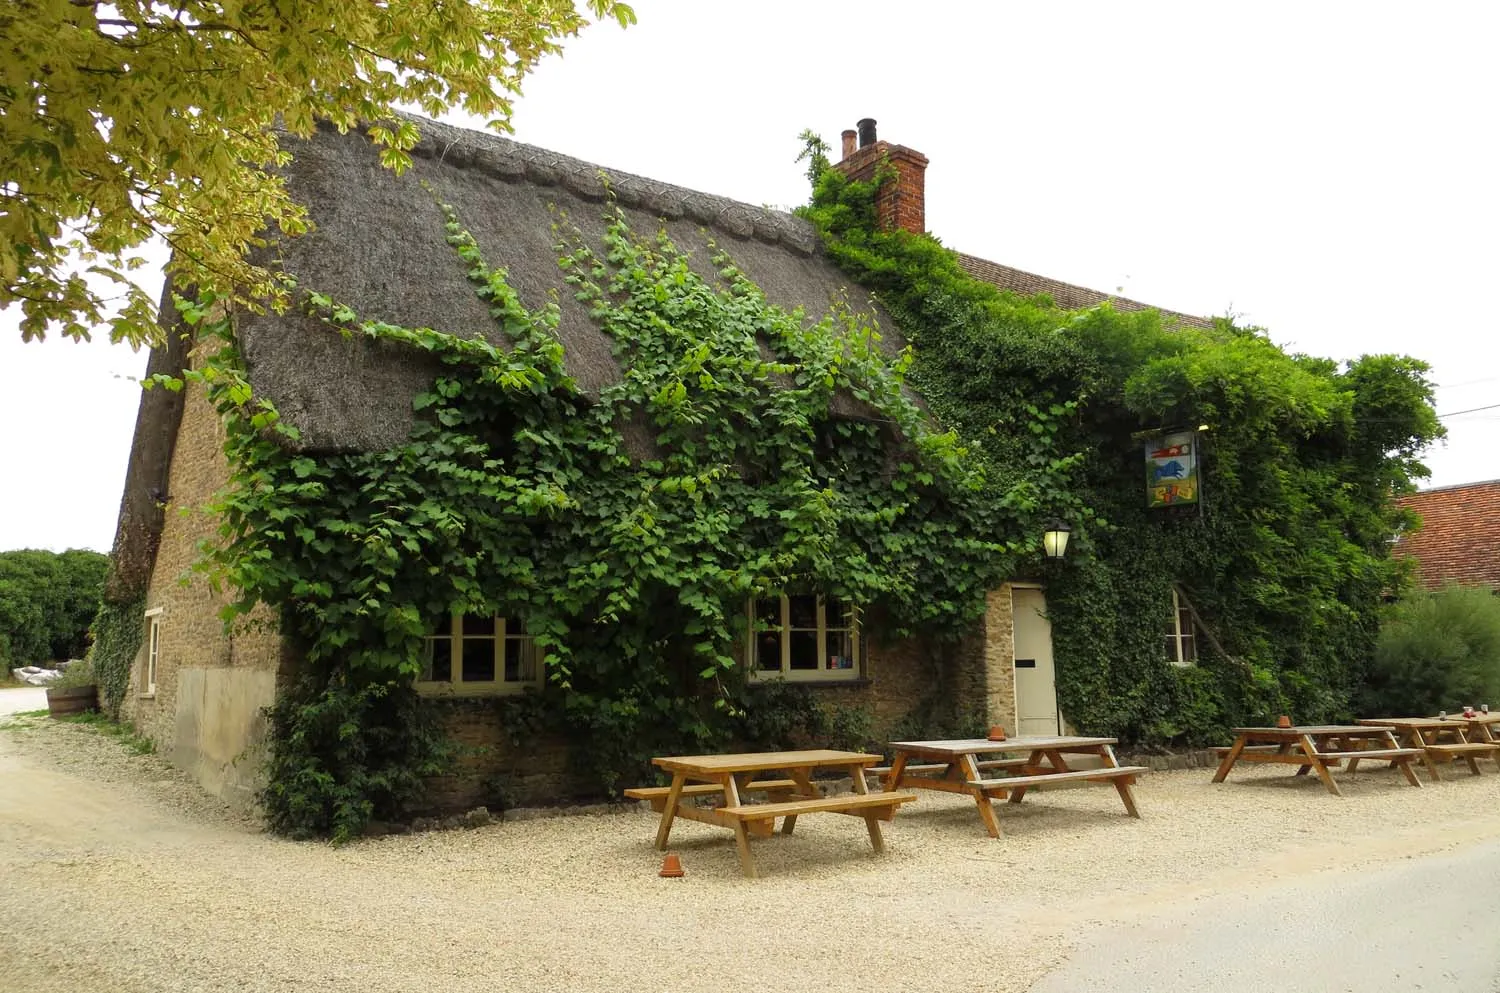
{"x": 900, "y": 202}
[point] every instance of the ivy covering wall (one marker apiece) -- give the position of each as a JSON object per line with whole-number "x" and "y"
{"x": 1287, "y": 558}
{"x": 630, "y": 562}
{"x": 118, "y": 630}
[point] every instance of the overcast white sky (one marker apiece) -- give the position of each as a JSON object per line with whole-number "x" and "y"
{"x": 1325, "y": 171}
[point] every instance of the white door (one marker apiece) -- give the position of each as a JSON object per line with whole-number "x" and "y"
{"x": 1036, "y": 687}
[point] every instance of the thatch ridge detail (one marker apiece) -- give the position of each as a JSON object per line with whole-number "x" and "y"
{"x": 501, "y": 158}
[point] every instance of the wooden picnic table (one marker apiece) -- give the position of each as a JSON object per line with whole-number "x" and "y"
{"x": 956, "y": 767}
{"x": 1319, "y": 748}
{"x": 727, "y": 777}
{"x": 1429, "y": 734}
{"x": 1481, "y": 726}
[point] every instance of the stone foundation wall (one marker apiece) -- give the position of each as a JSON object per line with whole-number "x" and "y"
{"x": 491, "y": 772}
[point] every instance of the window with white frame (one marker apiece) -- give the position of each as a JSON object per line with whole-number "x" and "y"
{"x": 1182, "y": 640}
{"x": 467, "y": 655}
{"x": 803, "y": 638}
{"x": 153, "y": 652}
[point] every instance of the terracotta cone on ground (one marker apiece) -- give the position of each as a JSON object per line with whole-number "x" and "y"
{"x": 671, "y": 867}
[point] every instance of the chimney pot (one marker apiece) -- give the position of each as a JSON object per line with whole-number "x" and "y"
{"x": 849, "y": 143}
{"x": 900, "y": 200}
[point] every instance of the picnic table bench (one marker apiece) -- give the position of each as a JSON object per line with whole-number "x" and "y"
{"x": 959, "y": 769}
{"x": 1479, "y": 727}
{"x": 1318, "y": 748}
{"x": 884, "y": 771}
{"x": 657, "y": 795}
{"x": 727, "y": 777}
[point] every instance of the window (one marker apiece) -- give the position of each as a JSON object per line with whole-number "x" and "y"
{"x": 811, "y": 638}
{"x": 477, "y": 656}
{"x": 153, "y": 652}
{"x": 1182, "y": 641}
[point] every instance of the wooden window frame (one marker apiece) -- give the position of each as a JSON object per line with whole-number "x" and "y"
{"x": 152, "y": 661}
{"x": 819, "y": 675}
{"x": 1183, "y": 641}
{"x": 457, "y": 686}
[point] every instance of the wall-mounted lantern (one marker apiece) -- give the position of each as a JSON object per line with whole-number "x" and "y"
{"x": 1055, "y": 539}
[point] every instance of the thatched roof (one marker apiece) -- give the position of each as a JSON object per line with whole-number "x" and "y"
{"x": 378, "y": 245}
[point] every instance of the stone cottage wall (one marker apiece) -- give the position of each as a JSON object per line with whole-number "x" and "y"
{"x": 909, "y": 686}
{"x": 489, "y": 771}
{"x": 1000, "y": 659}
{"x": 205, "y": 715}
{"x": 912, "y": 684}
{"x": 211, "y": 685}
{"x": 963, "y": 687}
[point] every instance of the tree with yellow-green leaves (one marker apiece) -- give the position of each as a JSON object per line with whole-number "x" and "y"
{"x": 127, "y": 120}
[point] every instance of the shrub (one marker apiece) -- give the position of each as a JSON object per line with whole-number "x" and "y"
{"x": 80, "y": 672}
{"x": 1436, "y": 651}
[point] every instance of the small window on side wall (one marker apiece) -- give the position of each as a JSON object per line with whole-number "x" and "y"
{"x": 153, "y": 652}
{"x": 470, "y": 655}
{"x": 1182, "y": 633}
{"x": 803, "y": 638}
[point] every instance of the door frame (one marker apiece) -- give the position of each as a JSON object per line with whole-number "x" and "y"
{"x": 1016, "y": 688}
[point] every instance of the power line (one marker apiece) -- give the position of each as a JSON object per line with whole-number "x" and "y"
{"x": 1471, "y": 410}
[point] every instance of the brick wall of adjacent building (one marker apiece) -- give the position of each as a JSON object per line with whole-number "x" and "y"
{"x": 210, "y": 685}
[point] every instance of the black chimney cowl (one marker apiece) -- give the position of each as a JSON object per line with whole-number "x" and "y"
{"x": 866, "y": 132}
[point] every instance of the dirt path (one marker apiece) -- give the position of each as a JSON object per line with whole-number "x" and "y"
{"x": 141, "y": 883}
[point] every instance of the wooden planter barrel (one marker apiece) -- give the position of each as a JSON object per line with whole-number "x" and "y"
{"x": 71, "y": 700}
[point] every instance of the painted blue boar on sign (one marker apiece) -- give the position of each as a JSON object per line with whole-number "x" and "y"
{"x": 1172, "y": 469}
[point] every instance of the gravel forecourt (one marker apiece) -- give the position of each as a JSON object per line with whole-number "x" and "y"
{"x": 119, "y": 875}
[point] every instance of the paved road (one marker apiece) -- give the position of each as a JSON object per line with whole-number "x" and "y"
{"x": 1425, "y": 923}
{"x": 18, "y": 700}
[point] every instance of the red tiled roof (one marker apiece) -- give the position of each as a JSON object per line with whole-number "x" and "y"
{"x": 1459, "y": 541}
{"x": 1063, "y": 294}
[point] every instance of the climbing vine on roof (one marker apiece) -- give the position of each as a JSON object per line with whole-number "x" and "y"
{"x": 1285, "y": 561}
{"x": 626, "y": 530}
